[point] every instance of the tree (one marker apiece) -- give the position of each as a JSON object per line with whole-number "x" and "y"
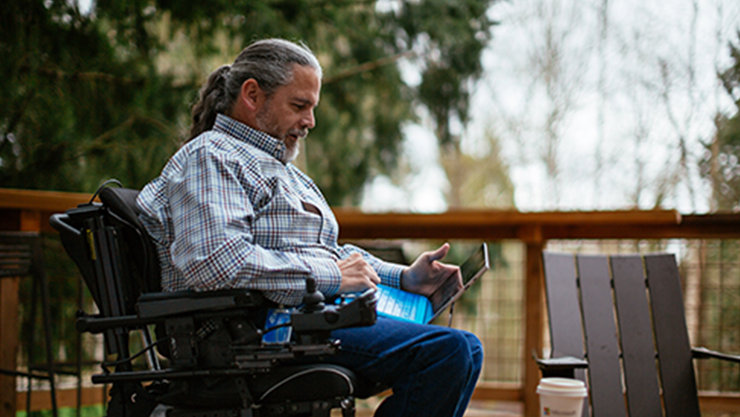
{"x": 105, "y": 92}
{"x": 482, "y": 177}
{"x": 455, "y": 36}
{"x": 721, "y": 163}
{"x": 79, "y": 106}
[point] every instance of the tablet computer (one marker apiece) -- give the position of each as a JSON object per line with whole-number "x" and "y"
{"x": 394, "y": 302}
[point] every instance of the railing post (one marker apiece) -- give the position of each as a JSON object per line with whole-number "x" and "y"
{"x": 29, "y": 221}
{"x": 532, "y": 238}
{"x": 8, "y": 342}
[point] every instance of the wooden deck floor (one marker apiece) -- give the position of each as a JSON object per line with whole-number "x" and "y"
{"x": 476, "y": 409}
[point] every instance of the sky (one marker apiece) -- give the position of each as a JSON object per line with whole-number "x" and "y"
{"x": 633, "y": 125}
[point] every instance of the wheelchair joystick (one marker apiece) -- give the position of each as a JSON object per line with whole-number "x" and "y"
{"x": 313, "y": 301}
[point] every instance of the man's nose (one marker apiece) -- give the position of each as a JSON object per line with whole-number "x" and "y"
{"x": 308, "y": 121}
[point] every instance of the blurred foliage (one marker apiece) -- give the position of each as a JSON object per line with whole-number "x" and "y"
{"x": 64, "y": 291}
{"x": 88, "y": 411}
{"x": 721, "y": 164}
{"x": 480, "y": 178}
{"x": 90, "y": 94}
{"x": 719, "y": 326}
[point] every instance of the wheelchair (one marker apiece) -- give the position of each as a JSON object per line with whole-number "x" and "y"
{"x": 201, "y": 354}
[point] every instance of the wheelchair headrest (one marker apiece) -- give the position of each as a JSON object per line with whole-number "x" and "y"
{"x": 122, "y": 201}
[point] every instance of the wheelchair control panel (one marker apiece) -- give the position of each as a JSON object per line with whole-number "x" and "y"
{"x": 307, "y": 328}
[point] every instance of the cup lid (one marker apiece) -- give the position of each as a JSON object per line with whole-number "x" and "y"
{"x": 562, "y": 386}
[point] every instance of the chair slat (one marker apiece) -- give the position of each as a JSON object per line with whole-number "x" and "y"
{"x": 636, "y": 334}
{"x": 564, "y": 312}
{"x": 607, "y": 399}
{"x": 563, "y": 305}
{"x": 671, "y": 337}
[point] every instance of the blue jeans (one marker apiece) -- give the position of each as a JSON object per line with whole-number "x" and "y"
{"x": 431, "y": 369}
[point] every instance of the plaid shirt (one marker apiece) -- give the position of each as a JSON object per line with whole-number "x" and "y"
{"x": 226, "y": 213}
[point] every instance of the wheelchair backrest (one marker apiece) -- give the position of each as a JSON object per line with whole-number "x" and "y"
{"x": 117, "y": 259}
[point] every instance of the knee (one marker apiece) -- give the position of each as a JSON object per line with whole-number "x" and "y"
{"x": 476, "y": 351}
{"x": 474, "y": 344}
{"x": 462, "y": 350}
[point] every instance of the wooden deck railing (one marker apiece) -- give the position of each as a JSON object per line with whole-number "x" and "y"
{"x": 29, "y": 211}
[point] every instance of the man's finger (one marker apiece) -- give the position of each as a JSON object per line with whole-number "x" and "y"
{"x": 439, "y": 253}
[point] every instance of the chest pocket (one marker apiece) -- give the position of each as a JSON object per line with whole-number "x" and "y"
{"x": 287, "y": 221}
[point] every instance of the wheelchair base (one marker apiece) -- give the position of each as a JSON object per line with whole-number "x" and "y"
{"x": 304, "y": 409}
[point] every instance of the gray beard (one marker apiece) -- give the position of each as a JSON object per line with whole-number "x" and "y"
{"x": 291, "y": 152}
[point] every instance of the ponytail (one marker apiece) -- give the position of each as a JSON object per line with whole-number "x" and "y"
{"x": 211, "y": 101}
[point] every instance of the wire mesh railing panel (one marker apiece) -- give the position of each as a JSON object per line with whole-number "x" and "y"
{"x": 497, "y": 317}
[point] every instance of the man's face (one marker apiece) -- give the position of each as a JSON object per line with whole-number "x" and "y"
{"x": 287, "y": 115}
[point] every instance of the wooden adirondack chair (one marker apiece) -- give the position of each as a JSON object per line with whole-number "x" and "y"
{"x": 631, "y": 357}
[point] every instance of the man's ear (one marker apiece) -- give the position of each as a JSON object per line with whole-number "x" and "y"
{"x": 251, "y": 95}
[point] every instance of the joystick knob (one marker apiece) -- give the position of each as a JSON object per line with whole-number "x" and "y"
{"x": 313, "y": 300}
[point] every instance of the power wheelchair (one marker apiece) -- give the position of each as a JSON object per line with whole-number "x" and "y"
{"x": 205, "y": 354}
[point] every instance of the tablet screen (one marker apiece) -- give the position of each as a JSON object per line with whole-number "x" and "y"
{"x": 470, "y": 270}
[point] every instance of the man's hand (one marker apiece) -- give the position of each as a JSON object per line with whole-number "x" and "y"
{"x": 427, "y": 274}
{"x": 357, "y": 275}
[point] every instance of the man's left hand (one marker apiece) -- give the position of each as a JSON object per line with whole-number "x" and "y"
{"x": 426, "y": 274}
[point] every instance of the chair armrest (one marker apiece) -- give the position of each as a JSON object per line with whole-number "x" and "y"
{"x": 704, "y": 353}
{"x": 168, "y": 304}
{"x": 563, "y": 366}
{"x": 560, "y": 364}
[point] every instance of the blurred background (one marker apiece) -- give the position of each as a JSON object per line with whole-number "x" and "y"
{"x": 426, "y": 106}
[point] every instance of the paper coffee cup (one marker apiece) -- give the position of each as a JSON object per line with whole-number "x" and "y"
{"x": 561, "y": 397}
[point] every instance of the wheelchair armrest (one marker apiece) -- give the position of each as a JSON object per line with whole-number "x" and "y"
{"x": 167, "y": 304}
{"x": 152, "y": 307}
{"x": 704, "y": 353}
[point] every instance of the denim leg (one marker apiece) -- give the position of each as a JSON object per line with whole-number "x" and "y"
{"x": 476, "y": 354}
{"x": 431, "y": 369}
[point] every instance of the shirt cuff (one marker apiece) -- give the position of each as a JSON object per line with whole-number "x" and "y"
{"x": 327, "y": 274}
{"x": 390, "y": 274}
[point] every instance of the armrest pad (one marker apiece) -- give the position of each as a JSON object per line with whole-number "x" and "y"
{"x": 163, "y": 304}
{"x": 704, "y": 353}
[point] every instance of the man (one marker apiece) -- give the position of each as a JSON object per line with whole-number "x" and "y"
{"x": 230, "y": 210}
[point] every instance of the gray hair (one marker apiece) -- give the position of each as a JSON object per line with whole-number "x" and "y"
{"x": 269, "y": 62}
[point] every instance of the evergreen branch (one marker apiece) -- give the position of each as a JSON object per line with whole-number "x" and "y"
{"x": 100, "y": 139}
{"x": 85, "y": 76}
{"x": 162, "y": 126}
{"x": 366, "y": 66}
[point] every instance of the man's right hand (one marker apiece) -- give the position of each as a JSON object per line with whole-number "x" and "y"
{"x": 357, "y": 275}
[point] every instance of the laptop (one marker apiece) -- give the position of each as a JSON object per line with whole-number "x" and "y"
{"x": 397, "y": 303}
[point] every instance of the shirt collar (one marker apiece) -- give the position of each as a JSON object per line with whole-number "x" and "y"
{"x": 254, "y": 137}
